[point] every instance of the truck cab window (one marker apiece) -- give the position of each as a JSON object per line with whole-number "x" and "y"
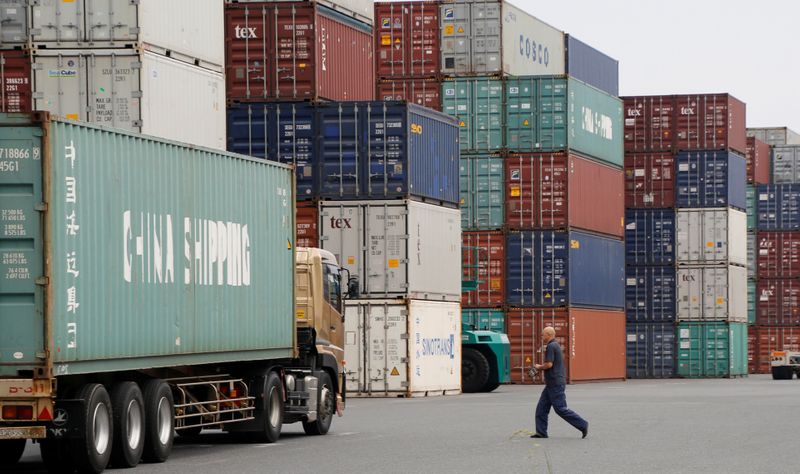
{"x": 333, "y": 285}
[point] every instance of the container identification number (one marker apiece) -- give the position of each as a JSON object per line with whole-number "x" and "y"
{"x": 19, "y": 153}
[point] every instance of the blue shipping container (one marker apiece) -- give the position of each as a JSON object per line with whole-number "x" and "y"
{"x": 778, "y": 207}
{"x": 649, "y": 236}
{"x": 564, "y": 268}
{"x": 651, "y": 350}
{"x": 711, "y": 179}
{"x": 650, "y": 294}
{"x": 591, "y": 66}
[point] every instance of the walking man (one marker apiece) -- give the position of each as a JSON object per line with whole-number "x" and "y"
{"x": 553, "y": 394}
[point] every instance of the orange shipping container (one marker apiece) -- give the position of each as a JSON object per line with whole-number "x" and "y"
{"x": 307, "y": 215}
{"x": 766, "y": 339}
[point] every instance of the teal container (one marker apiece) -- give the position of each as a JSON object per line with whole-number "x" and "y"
{"x": 555, "y": 113}
{"x": 483, "y": 320}
{"x": 482, "y": 184}
{"x": 708, "y": 350}
{"x": 160, "y": 254}
{"x": 751, "y": 302}
{"x": 751, "y": 207}
{"x": 477, "y": 105}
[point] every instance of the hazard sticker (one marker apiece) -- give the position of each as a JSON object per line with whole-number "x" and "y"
{"x": 449, "y": 30}
{"x": 386, "y": 40}
{"x": 395, "y": 372}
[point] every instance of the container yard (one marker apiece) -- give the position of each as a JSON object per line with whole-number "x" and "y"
{"x": 226, "y": 221}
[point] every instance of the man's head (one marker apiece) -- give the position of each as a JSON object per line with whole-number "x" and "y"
{"x": 548, "y": 334}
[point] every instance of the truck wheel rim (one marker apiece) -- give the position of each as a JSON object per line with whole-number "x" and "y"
{"x": 325, "y": 397}
{"x": 134, "y": 423}
{"x": 164, "y": 421}
{"x": 274, "y": 407}
{"x": 101, "y": 428}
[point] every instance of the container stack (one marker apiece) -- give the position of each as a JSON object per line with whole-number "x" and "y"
{"x": 148, "y": 66}
{"x": 686, "y": 236}
{"x": 777, "y": 218}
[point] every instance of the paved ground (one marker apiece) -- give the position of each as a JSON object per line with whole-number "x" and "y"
{"x": 714, "y": 426}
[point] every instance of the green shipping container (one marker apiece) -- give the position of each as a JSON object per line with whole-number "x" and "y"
{"x": 477, "y": 104}
{"x": 555, "y": 113}
{"x": 483, "y": 319}
{"x": 120, "y": 251}
{"x": 751, "y": 302}
{"x": 482, "y": 182}
{"x": 708, "y": 350}
{"x": 751, "y": 207}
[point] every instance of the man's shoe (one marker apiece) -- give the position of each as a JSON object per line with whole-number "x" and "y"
{"x": 537, "y": 435}
{"x": 585, "y": 431}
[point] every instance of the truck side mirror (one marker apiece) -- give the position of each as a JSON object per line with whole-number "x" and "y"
{"x": 353, "y": 288}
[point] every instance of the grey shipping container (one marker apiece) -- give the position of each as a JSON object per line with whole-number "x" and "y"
{"x": 712, "y": 294}
{"x": 711, "y": 236}
{"x": 591, "y": 66}
{"x": 786, "y": 164}
{"x": 775, "y": 135}
{"x": 751, "y": 254}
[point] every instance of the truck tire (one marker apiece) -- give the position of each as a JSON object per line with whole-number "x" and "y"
{"x": 491, "y": 386}
{"x": 57, "y": 456}
{"x": 127, "y": 404}
{"x": 326, "y": 406}
{"x": 780, "y": 373}
{"x": 92, "y": 451}
{"x": 11, "y": 451}
{"x": 474, "y": 370}
{"x": 159, "y": 421}
{"x": 272, "y": 413}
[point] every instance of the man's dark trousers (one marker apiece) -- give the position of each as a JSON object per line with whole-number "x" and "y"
{"x": 554, "y": 396}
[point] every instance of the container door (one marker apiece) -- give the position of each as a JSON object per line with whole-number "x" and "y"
{"x": 111, "y": 21}
{"x": 22, "y": 344}
{"x": 15, "y": 81}
{"x": 520, "y": 117}
{"x": 488, "y": 112}
{"x": 433, "y": 253}
{"x": 690, "y": 293}
{"x": 60, "y": 85}
{"x": 489, "y": 192}
{"x": 355, "y": 347}
{"x": 434, "y": 349}
{"x": 115, "y": 91}
{"x": 715, "y": 294}
{"x": 14, "y": 18}
{"x": 57, "y": 21}
{"x": 689, "y": 236}
{"x": 485, "y": 49}
{"x": 738, "y": 294}
{"x": 341, "y": 233}
{"x": 388, "y": 152}
{"x": 552, "y": 254}
{"x": 386, "y": 250}
{"x": 296, "y": 34}
{"x": 715, "y": 236}
{"x": 457, "y": 101}
{"x": 339, "y": 150}
{"x": 456, "y": 44}
{"x": 292, "y": 137}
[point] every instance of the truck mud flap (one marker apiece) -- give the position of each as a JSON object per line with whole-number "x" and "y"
{"x": 68, "y": 419}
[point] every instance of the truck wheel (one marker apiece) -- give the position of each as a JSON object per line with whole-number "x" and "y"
{"x": 11, "y": 451}
{"x": 779, "y": 373}
{"x": 92, "y": 451}
{"x": 474, "y": 370}
{"x": 128, "y": 407}
{"x": 273, "y": 410}
{"x": 491, "y": 386}
{"x": 56, "y": 455}
{"x": 159, "y": 421}
{"x": 326, "y": 406}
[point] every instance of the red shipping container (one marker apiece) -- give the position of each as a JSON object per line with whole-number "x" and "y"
{"x": 296, "y": 51}
{"x": 15, "y": 75}
{"x": 307, "y": 218}
{"x": 592, "y": 341}
{"x": 649, "y": 180}
{"x": 649, "y": 123}
{"x": 407, "y": 39}
{"x": 778, "y": 254}
{"x": 778, "y": 302}
{"x": 424, "y": 92}
{"x": 752, "y": 359}
{"x": 772, "y": 338}
{"x": 483, "y": 258}
{"x": 710, "y": 122}
{"x": 758, "y": 161}
{"x": 560, "y": 190}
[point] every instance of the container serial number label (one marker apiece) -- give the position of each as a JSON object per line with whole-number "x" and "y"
{"x": 19, "y": 153}
{"x": 9, "y": 166}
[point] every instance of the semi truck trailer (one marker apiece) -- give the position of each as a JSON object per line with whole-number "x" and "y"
{"x": 149, "y": 288}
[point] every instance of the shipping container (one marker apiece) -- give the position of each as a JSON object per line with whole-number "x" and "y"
{"x": 771, "y": 338}
{"x": 751, "y": 301}
{"x": 424, "y": 92}
{"x": 307, "y": 221}
{"x": 142, "y": 92}
{"x": 556, "y": 113}
{"x": 482, "y": 189}
{"x": 591, "y": 66}
{"x": 649, "y": 180}
{"x": 483, "y": 319}
{"x": 710, "y": 179}
{"x": 483, "y": 263}
{"x": 563, "y": 190}
{"x": 786, "y": 164}
{"x": 162, "y": 292}
{"x": 15, "y": 80}
{"x": 650, "y": 237}
{"x": 751, "y": 350}
{"x": 397, "y": 348}
{"x": 778, "y": 302}
{"x": 477, "y": 105}
{"x": 407, "y": 39}
{"x": 712, "y": 349}
{"x": 650, "y": 294}
{"x": 651, "y": 350}
{"x": 397, "y": 249}
{"x": 190, "y": 30}
{"x": 712, "y": 294}
{"x": 775, "y": 136}
{"x": 778, "y": 207}
{"x": 361, "y": 10}
{"x": 296, "y": 51}
{"x": 778, "y": 254}
{"x": 582, "y": 334}
{"x": 758, "y": 161}
{"x": 649, "y": 123}
{"x": 711, "y": 236}
{"x": 752, "y": 251}
{"x": 474, "y": 32}
{"x": 750, "y": 200}
{"x": 564, "y": 268}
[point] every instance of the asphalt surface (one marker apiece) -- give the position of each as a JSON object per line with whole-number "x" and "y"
{"x": 700, "y": 426}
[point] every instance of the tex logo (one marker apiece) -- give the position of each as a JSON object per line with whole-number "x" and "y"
{"x": 246, "y": 32}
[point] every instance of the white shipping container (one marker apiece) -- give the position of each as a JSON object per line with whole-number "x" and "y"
{"x": 711, "y": 236}
{"x": 140, "y": 91}
{"x": 402, "y": 347}
{"x": 775, "y": 135}
{"x": 531, "y": 47}
{"x": 399, "y": 248}
{"x": 193, "y": 29}
{"x": 786, "y": 164}
{"x": 712, "y": 294}
{"x": 362, "y": 10}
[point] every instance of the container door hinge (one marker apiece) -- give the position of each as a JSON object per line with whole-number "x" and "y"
{"x": 404, "y": 360}
{"x": 404, "y": 336}
{"x": 135, "y": 31}
{"x": 42, "y": 281}
{"x": 41, "y": 355}
{"x": 41, "y": 207}
{"x": 136, "y": 94}
{"x": 136, "y": 123}
{"x": 403, "y": 312}
{"x": 404, "y": 384}
{"x": 403, "y": 260}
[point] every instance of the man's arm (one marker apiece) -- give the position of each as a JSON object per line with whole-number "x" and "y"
{"x": 548, "y": 359}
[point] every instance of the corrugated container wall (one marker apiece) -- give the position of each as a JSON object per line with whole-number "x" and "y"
{"x": 778, "y": 207}
{"x": 563, "y": 190}
{"x": 424, "y": 92}
{"x": 758, "y": 161}
{"x": 751, "y": 254}
{"x": 117, "y": 306}
{"x": 712, "y": 294}
{"x": 752, "y": 214}
{"x": 482, "y": 190}
{"x": 649, "y": 180}
{"x": 407, "y": 39}
{"x": 712, "y": 349}
{"x": 775, "y": 136}
{"x": 477, "y": 105}
{"x": 711, "y": 179}
{"x": 751, "y": 301}
{"x": 778, "y": 302}
{"x": 650, "y": 294}
{"x": 651, "y": 351}
{"x": 582, "y": 334}
{"x": 650, "y": 236}
{"x": 296, "y": 51}
{"x": 483, "y": 261}
{"x": 591, "y": 66}
{"x": 786, "y": 164}
{"x": 362, "y": 10}
{"x": 766, "y": 339}
{"x": 483, "y": 319}
{"x": 711, "y": 236}
{"x": 778, "y": 254}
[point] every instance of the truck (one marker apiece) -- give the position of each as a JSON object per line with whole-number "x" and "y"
{"x": 784, "y": 364}
{"x": 150, "y": 288}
